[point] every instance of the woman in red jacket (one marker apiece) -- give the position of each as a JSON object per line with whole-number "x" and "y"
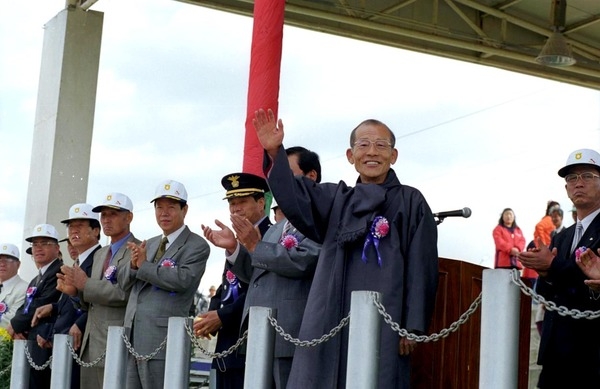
{"x": 509, "y": 241}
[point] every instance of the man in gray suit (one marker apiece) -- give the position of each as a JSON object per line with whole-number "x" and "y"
{"x": 12, "y": 287}
{"x": 279, "y": 269}
{"x": 104, "y": 300}
{"x": 163, "y": 276}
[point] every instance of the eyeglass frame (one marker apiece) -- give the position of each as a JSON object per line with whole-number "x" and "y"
{"x": 572, "y": 178}
{"x": 388, "y": 144}
{"x": 43, "y": 244}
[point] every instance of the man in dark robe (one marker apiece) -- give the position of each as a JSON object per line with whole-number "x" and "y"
{"x": 379, "y": 235}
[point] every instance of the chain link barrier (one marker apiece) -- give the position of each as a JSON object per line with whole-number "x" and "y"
{"x": 550, "y": 305}
{"x": 32, "y": 363}
{"x": 196, "y": 342}
{"x": 425, "y": 338}
{"x": 140, "y": 357}
{"x": 309, "y": 343}
{"x": 82, "y": 362}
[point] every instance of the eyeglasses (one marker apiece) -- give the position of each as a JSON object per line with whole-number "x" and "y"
{"x": 380, "y": 144}
{"x": 586, "y": 177}
{"x": 42, "y": 244}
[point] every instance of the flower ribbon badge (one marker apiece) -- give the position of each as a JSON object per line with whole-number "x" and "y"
{"x": 289, "y": 241}
{"x": 379, "y": 229}
{"x": 234, "y": 286}
{"x": 111, "y": 274}
{"x": 29, "y": 294}
{"x": 170, "y": 264}
{"x": 3, "y": 308}
{"x": 579, "y": 251}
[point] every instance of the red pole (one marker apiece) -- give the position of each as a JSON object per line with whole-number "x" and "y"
{"x": 265, "y": 65}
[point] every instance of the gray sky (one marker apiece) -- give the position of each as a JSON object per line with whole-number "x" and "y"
{"x": 172, "y": 100}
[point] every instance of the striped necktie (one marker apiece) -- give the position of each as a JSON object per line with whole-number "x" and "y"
{"x": 578, "y": 235}
{"x": 161, "y": 249}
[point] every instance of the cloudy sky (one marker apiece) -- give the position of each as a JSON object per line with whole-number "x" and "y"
{"x": 172, "y": 100}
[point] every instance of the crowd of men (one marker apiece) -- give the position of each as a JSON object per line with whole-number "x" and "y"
{"x": 327, "y": 241}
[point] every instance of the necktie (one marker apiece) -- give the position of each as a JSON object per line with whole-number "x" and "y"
{"x": 578, "y": 235}
{"x": 107, "y": 260}
{"x": 286, "y": 228}
{"x": 161, "y": 248}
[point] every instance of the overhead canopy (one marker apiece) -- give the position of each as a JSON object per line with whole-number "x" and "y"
{"x": 507, "y": 34}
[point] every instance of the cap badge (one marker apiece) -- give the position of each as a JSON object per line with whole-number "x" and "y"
{"x": 109, "y": 197}
{"x": 76, "y": 210}
{"x": 234, "y": 181}
{"x": 578, "y": 156}
{"x": 167, "y": 187}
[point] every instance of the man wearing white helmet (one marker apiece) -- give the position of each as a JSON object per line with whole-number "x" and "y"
{"x": 163, "y": 283}
{"x": 12, "y": 287}
{"x": 83, "y": 230}
{"x": 570, "y": 348}
{"x": 41, "y": 290}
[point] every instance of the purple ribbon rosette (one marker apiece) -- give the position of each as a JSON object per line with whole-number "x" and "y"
{"x": 111, "y": 274}
{"x": 3, "y": 308}
{"x": 29, "y": 297}
{"x": 234, "y": 286}
{"x": 289, "y": 241}
{"x": 168, "y": 263}
{"x": 379, "y": 229}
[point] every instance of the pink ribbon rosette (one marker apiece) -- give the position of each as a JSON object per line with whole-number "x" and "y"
{"x": 233, "y": 291}
{"x": 29, "y": 297}
{"x": 289, "y": 241}
{"x": 3, "y": 308}
{"x": 168, "y": 263}
{"x": 579, "y": 251}
{"x": 379, "y": 229}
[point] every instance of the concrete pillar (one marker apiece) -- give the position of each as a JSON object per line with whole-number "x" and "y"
{"x": 64, "y": 119}
{"x": 178, "y": 354}
{"x": 499, "y": 348}
{"x": 259, "y": 353}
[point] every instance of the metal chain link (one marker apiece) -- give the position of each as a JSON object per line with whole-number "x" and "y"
{"x": 32, "y": 363}
{"x": 140, "y": 357}
{"x": 196, "y": 342}
{"x": 80, "y": 361}
{"x": 313, "y": 342}
{"x": 426, "y": 338}
{"x": 5, "y": 371}
{"x": 550, "y": 305}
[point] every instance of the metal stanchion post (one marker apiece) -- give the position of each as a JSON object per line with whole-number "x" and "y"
{"x": 499, "y": 350}
{"x": 178, "y": 354}
{"x": 259, "y": 353}
{"x": 115, "y": 361}
{"x": 19, "y": 374}
{"x": 62, "y": 362}
{"x": 363, "y": 342}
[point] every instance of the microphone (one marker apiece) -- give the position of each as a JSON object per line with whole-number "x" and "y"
{"x": 465, "y": 212}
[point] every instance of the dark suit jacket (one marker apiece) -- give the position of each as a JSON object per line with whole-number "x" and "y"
{"x": 67, "y": 310}
{"x": 230, "y": 312}
{"x": 569, "y": 348}
{"x": 46, "y": 294}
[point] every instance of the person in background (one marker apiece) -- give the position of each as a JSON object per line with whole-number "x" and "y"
{"x": 509, "y": 241}
{"x": 574, "y": 214}
{"x": 557, "y": 220}
{"x": 12, "y": 287}
{"x": 40, "y": 291}
{"x": 277, "y": 213}
{"x": 570, "y": 347}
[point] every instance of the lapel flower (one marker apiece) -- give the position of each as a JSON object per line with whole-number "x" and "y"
{"x": 379, "y": 229}
{"x": 31, "y": 291}
{"x": 167, "y": 262}
{"x": 579, "y": 251}
{"x": 233, "y": 291}
{"x": 3, "y": 308}
{"x": 289, "y": 241}
{"x": 111, "y": 274}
